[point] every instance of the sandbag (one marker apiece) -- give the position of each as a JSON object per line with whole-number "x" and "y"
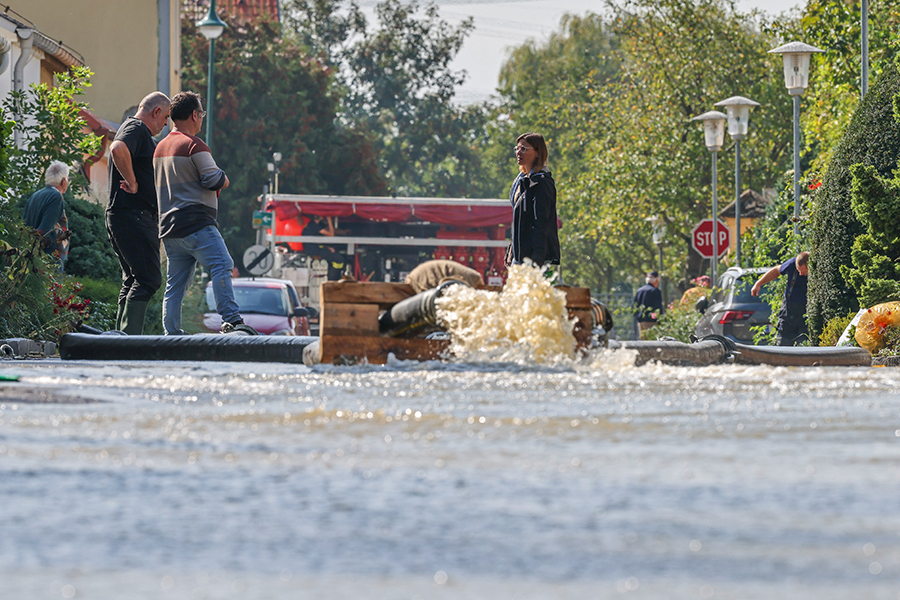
{"x": 874, "y": 324}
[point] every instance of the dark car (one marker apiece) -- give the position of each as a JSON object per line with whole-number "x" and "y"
{"x": 731, "y": 311}
{"x": 270, "y": 306}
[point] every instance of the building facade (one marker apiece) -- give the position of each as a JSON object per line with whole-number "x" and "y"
{"x": 132, "y": 47}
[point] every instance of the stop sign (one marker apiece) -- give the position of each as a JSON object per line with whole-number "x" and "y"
{"x": 702, "y": 238}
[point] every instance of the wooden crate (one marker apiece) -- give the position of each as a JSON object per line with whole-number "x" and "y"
{"x": 348, "y": 323}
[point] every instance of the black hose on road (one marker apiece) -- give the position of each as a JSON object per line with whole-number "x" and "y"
{"x": 701, "y": 354}
{"x": 202, "y": 347}
{"x": 715, "y": 349}
{"x": 803, "y": 356}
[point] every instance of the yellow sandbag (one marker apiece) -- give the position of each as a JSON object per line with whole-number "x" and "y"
{"x": 875, "y": 322}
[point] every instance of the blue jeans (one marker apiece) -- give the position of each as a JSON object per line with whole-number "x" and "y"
{"x": 208, "y": 248}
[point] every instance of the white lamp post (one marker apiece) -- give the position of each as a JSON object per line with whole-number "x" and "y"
{"x": 738, "y": 109}
{"x": 211, "y": 27}
{"x": 714, "y": 134}
{"x": 276, "y": 158}
{"x": 864, "y": 49}
{"x": 796, "y": 79}
{"x": 658, "y": 224}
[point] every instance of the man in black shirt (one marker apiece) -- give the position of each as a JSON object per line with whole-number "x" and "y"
{"x": 648, "y": 302}
{"x": 323, "y": 226}
{"x": 132, "y": 214}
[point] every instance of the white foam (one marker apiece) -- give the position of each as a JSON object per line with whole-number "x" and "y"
{"x": 526, "y": 323}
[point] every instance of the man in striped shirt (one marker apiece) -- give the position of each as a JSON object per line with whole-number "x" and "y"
{"x": 188, "y": 183}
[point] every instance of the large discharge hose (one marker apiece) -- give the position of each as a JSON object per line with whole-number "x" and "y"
{"x": 203, "y": 347}
{"x": 415, "y": 315}
{"x": 802, "y": 356}
{"x": 701, "y": 354}
{"x": 715, "y": 349}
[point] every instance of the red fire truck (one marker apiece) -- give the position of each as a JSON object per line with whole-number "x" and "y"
{"x": 383, "y": 239}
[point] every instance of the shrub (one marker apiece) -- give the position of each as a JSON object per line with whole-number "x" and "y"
{"x": 772, "y": 241}
{"x": 34, "y": 301}
{"x": 677, "y": 322}
{"x": 90, "y": 253}
{"x": 24, "y": 282}
{"x": 834, "y": 329}
{"x": 103, "y": 294}
{"x": 873, "y": 139}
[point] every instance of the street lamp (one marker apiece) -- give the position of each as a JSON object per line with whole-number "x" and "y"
{"x": 276, "y": 158}
{"x": 714, "y": 136}
{"x": 796, "y": 79}
{"x": 738, "y": 109}
{"x": 211, "y": 27}
{"x": 864, "y": 49}
{"x": 658, "y": 224}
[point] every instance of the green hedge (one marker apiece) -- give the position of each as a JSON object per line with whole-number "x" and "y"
{"x": 872, "y": 138}
{"x": 90, "y": 253}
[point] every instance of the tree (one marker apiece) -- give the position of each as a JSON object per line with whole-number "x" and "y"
{"x": 622, "y": 130}
{"x": 272, "y": 95}
{"x": 875, "y": 274}
{"x": 34, "y": 301}
{"x": 401, "y": 86}
{"x": 872, "y": 138}
{"x": 50, "y": 129}
{"x": 549, "y": 87}
{"x": 324, "y": 28}
{"x": 835, "y": 76}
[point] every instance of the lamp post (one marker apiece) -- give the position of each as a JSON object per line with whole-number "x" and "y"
{"x": 796, "y": 79}
{"x": 658, "y": 223}
{"x": 864, "y": 49}
{"x": 211, "y": 27}
{"x": 714, "y": 136}
{"x": 276, "y": 159}
{"x": 738, "y": 109}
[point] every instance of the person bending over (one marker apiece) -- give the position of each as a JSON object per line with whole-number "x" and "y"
{"x": 791, "y": 328}
{"x": 45, "y": 211}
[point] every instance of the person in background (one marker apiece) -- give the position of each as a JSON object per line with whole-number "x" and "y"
{"x": 648, "y": 303}
{"x": 701, "y": 288}
{"x": 791, "y": 328}
{"x": 45, "y": 211}
{"x": 533, "y": 198}
{"x": 188, "y": 183}
{"x": 132, "y": 221}
{"x": 324, "y": 226}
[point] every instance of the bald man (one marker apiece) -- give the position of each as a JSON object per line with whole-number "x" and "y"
{"x": 132, "y": 214}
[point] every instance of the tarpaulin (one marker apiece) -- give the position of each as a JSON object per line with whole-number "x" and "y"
{"x": 462, "y": 215}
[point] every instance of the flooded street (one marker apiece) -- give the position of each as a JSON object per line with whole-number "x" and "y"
{"x": 598, "y": 480}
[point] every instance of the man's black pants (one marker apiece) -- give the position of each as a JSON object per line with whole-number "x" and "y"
{"x": 134, "y": 235}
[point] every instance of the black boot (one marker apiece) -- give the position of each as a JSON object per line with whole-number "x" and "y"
{"x": 133, "y": 317}
{"x": 119, "y": 312}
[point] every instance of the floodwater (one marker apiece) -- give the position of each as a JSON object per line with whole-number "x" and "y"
{"x": 430, "y": 480}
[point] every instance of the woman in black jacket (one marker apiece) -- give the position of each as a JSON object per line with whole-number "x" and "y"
{"x": 533, "y": 197}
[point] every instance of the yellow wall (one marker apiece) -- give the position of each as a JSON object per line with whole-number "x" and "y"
{"x": 745, "y": 225}
{"x": 119, "y": 40}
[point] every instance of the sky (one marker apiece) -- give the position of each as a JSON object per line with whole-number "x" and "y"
{"x": 501, "y": 24}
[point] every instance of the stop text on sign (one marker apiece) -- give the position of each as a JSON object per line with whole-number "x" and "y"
{"x": 702, "y": 238}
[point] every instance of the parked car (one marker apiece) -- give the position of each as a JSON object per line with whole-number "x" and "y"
{"x": 731, "y": 311}
{"x": 270, "y": 306}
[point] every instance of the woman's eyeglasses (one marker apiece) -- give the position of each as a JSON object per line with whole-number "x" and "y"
{"x": 522, "y": 149}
